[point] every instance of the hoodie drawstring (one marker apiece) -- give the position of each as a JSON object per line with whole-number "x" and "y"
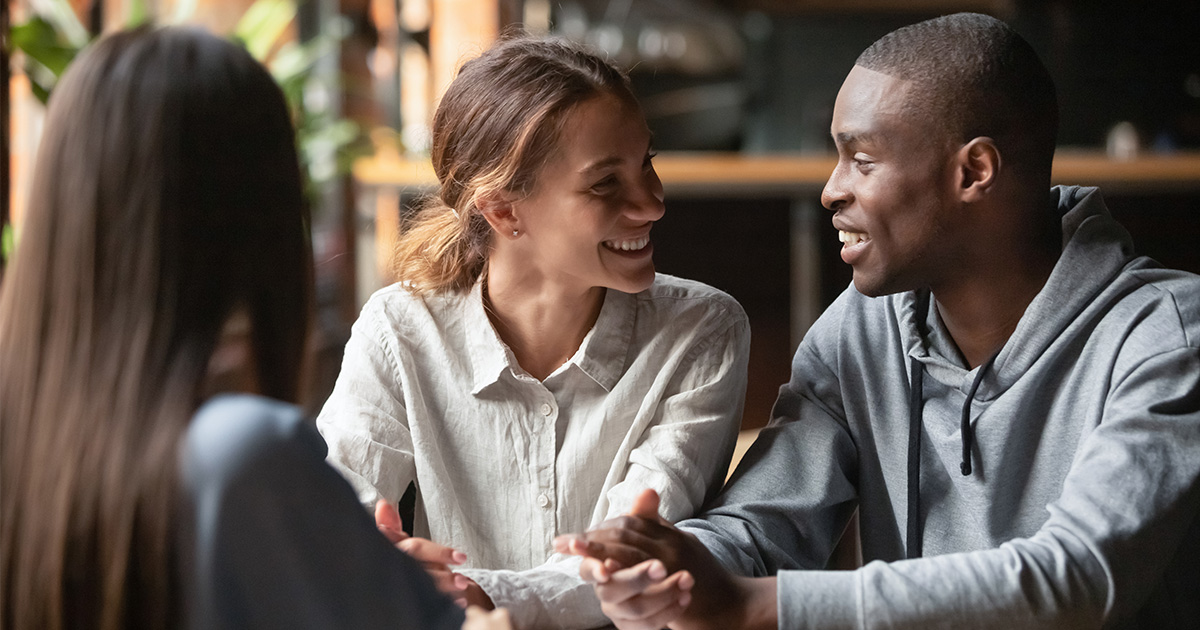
{"x": 968, "y": 431}
{"x": 915, "y": 402}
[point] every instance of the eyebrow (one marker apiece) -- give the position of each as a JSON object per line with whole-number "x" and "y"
{"x": 601, "y": 164}
{"x": 850, "y": 137}
{"x": 613, "y": 160}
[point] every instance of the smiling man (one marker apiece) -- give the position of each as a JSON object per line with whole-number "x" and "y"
{"x": 1007, "y": 394}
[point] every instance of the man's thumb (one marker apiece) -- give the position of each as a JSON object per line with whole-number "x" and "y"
{"x": 646, "y": 505}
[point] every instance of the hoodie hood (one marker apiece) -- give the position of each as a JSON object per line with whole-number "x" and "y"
{"x": 1095, "y": 249}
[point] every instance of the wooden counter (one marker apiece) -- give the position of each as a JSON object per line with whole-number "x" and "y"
{"x": 734, "y": 174}
{"x": 385, "y": 183}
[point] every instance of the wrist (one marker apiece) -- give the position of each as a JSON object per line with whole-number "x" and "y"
{"x": 759, "y": 602}
{"x": 475, "y": 596}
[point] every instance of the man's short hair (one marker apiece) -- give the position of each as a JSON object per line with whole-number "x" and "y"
{"x": 975, "y": 76}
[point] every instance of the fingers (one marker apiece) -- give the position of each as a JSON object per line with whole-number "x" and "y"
{"x": 448, "y": 581}
{"x": 644, "y": 597}
{"x": 429, "y": 552}
{"x": 645, "y": 505}
{"x": 593, "y": 571}
{"x": 387, "y": 519}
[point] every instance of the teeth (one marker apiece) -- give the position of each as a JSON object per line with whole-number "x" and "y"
{"x": 628, "y": 246}
{"x": 852, "y": 238}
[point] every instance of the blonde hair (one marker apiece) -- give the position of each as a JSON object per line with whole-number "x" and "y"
{"x": 495, "y": 127}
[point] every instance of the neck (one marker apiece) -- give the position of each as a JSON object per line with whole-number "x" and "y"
{"x": 982, "y": 307}
{"x": 542, "y": 322}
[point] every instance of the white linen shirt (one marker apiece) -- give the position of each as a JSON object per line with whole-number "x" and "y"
{"x": 503, "y": 462}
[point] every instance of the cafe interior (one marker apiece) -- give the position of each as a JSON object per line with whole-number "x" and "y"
{"x": 738, "y": 95}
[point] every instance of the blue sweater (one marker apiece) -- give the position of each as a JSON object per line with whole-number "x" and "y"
{"x": 280, "y": 540}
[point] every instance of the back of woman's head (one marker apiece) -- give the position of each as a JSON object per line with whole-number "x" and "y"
{"x": 495, "y": 127}
{"x": 166, "y": 197}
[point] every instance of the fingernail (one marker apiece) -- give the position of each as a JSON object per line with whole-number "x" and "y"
{"x": 458, "y": 557}
{"x": 686, "y": 581}
{"x": 685, "y": 599}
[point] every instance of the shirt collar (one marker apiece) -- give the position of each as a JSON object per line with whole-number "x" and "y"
{"x": 490, "y": 357}
{"x": 601, "y": 355}
{"x": 604, "y": 350}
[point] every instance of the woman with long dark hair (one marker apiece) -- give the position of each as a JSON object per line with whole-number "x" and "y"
{"x": 152, "y": 323}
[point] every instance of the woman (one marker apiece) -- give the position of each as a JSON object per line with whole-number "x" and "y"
{"x": 530, "y": 372}
{"x": 164, "y": 260}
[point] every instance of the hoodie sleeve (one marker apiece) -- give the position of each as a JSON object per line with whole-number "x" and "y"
{"x": 794, "y": 491}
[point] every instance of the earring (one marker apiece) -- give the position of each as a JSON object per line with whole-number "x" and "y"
{"x": 514, "y": 232}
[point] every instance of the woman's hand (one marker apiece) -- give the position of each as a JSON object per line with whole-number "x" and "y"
{"x": 437, "y": 559}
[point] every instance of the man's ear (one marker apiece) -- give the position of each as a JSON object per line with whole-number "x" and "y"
{"x": 497, "y": 209}
{"x": 978, "y": 167}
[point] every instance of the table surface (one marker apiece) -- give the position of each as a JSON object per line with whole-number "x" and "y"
{"x": 737, "y": 174}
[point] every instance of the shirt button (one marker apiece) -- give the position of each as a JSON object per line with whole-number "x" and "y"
{"x": 547, "y": 409}
{"x": 543, "y": 500}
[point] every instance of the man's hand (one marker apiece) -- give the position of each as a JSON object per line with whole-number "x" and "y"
{"x": 479, "y": 619}
{"x": 647, "y": 573}
{"x": 434, "y": 557}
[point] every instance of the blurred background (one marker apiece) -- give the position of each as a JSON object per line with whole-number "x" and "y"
{"x": 739, "y": 94}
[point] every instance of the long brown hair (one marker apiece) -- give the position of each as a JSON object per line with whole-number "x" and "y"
{"x": 495, "y": 127}
{"x": 167, "y": 196}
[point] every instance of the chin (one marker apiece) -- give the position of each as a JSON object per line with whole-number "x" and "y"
{"x": 635, "y": 284}
{"x": 871, "y": 287}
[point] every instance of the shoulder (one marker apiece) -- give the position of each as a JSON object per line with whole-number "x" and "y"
{"x": 232, "y": 436}
{"x": 1166, "y": 301}
{"x": 396, "y": 317}
{"x": 398, "y": 303}
{"x": 671, "y": 297}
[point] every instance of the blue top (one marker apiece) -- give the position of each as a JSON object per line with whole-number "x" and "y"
{"x": 280, "y": 540}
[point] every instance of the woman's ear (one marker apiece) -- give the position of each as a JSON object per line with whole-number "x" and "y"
{"x": 498, "y": 209}
{"x": 979, "y": 166}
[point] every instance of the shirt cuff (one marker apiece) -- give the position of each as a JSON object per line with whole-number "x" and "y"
{"x": 543, "y": 597}
{"x": 818, "y": 599}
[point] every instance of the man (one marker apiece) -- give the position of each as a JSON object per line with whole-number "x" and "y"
{"x": 1008, "y": 396}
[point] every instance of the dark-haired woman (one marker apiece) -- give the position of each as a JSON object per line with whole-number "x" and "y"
{"x": 151, "y": 324}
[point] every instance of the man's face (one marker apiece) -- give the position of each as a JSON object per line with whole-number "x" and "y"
{"x": 892, "y": 192}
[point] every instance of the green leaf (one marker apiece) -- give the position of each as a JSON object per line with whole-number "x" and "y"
{"x": 138, "y": 13}
{"x": 263, "y": 24}
{"x": 40, "y": 41}
{"x": 61, "y": 16}
{"x": 8, "y": 241}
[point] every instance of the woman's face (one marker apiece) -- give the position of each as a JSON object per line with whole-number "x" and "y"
{"x": 587, "y": 222}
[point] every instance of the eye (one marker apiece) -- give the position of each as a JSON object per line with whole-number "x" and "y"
{"x": 605, "y": 186}
{"x": 648, "y": 163}
{"x": 862, "y": 162}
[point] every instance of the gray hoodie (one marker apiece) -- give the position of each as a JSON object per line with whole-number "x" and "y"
{"x": 1080, "y": 509}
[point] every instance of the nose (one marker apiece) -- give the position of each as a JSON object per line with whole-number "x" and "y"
{"x": 646, "y": 203}
{"x": 836, "y": 193}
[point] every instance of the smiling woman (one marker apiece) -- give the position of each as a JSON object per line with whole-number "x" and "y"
{"x": 530, "y": 372}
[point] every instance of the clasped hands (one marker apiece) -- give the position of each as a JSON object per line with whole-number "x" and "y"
{"x": 437, "y": 560}
{"x": 648, "y": 574}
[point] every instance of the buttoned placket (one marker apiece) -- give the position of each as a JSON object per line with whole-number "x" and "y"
{"x": 543, "y": 415}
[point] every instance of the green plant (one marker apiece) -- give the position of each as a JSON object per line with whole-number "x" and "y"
{"x": 52, "y": 37}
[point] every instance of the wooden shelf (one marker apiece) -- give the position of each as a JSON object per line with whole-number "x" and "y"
{"x": 734, "y": 174}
